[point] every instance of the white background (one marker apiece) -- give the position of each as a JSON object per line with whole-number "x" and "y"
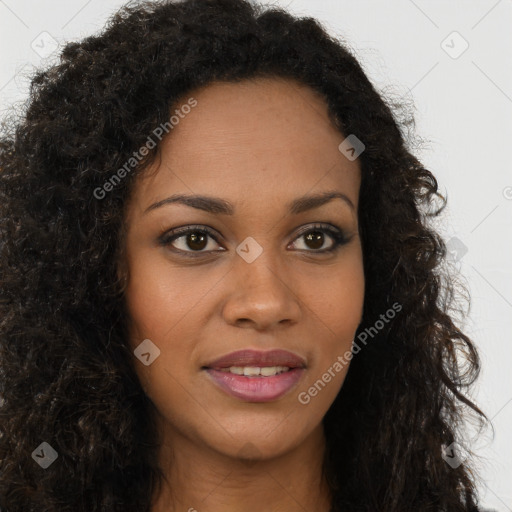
{"x": 463, "y": 108}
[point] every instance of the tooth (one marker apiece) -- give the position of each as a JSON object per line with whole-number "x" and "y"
{"x": 251, "y": 370}
{"x": 255, "y": 371}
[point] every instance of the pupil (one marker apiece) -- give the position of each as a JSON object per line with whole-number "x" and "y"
{"x": 194, "y": 238}
{"x": 316, "y": 237}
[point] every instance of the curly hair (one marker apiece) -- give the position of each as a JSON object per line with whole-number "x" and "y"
{"x": 67, "y": 374}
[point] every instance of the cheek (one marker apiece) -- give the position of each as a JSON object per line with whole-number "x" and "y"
{"x": 335, "y": 296}
{"x": 336, "y": 305}
{"x": 343, "y": 311}
{"x": 158, "y": 302}
{"x": 159, "y": 296}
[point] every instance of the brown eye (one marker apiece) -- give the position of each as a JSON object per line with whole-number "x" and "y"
{"x": 190, "y": 240}
{"x": 315, "y": 238}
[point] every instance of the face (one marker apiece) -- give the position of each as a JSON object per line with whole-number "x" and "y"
{"x": 254, "y": 266}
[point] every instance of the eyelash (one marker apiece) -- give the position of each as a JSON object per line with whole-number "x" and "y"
{"x": 338, "y": 236}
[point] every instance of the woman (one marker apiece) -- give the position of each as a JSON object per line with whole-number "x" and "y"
{"x": 220, "y": 290}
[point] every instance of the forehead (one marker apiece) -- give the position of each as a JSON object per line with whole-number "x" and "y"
{"x": 261, "y": 138}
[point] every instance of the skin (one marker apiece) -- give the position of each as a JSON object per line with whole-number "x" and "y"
{"x": 258, "y": 144}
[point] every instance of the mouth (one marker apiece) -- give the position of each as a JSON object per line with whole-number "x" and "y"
{"x": 255, "y": 376}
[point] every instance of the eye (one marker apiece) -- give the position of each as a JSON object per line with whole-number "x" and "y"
{"x": 192, "y": 239}
{"x": 314, "y": 238}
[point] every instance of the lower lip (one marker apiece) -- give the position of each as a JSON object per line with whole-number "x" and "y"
{"x": 256, "y": 389}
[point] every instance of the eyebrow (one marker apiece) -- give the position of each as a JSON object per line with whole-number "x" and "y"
{"x": 216, "y": 205}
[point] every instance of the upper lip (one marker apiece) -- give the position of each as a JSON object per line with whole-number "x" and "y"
{"x": 249, "y": 357}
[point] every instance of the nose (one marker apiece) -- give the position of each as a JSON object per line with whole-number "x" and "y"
{"x": 263, "y": 295}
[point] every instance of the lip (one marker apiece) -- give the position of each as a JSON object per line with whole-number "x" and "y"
{"x": 249, "y": 357}
{"x": 257, "y": 388}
